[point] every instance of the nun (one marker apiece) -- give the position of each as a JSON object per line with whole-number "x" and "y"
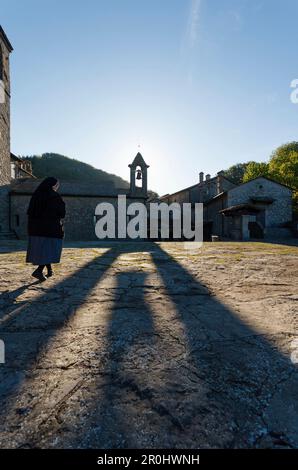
{"x": 45, "y": 229}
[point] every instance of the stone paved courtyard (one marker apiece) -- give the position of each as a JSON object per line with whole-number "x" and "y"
{"x": 147, "y": 345}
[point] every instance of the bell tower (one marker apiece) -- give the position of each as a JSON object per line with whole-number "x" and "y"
{"x": 138, "y": 177}
{"x": 5, "y": 167}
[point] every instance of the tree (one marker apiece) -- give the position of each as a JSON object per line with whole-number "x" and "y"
{"x": 255, "y": 169}
{"x": 283, "y": 164}
{"x": 283, "y": 167}
{"x": 236, "y": 172}
{"x": 69, "y": 169}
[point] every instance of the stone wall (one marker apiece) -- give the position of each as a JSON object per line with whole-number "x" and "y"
{"x": 201, "y": 192}
{"x": 5, "y": 172}
{"x": 79, "y": 222}
{"x": 181, "y": 197}
{"x": 277, "y": 213}
{"x": 212, "y": 214}
{"x": 5, "y": 117}
{"x": 4, "y": 208}
{"x": 208, "y": 189}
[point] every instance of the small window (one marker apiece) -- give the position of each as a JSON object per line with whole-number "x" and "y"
{"x": 17, "y": 220}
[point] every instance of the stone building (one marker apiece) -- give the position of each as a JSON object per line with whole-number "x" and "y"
{"x": 202, "y": 191}
{"x": 81, "y": 200}
{"x": 5, "y": 50}
{"x": 257, "y": 209}
{"x": 260, "y": 208}
{"x": 11, "y": 166}
{"x": 5, "y": 162}
{"x": 20, "y": 168}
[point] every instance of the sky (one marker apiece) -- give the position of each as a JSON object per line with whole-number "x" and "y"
{"x": 194, "y": 85}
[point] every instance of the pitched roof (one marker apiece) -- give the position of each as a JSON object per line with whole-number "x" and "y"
{"x": 264, "y": 177}
{"x": 5, "y": 39}
{"x": 205, "y": 182}
{"x": 15, "y": 158}
{"x": 27, "y": 186}
{"x": 216, "y": 197}
{"x": 240, "y": 209}
{"x": 138, "y": 161}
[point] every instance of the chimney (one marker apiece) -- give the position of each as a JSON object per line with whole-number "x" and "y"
{"x": 219, "y": 188}
{"x": 208, "y": 177}
{"x": 201, "y": 177}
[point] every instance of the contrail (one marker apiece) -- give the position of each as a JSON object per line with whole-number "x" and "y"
{"x": 193, "y": 23}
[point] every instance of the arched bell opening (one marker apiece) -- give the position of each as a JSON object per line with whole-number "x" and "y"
{"x": 138, "y": 177}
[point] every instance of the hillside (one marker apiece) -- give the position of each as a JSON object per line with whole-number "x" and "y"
{"x": 69, "y": 169}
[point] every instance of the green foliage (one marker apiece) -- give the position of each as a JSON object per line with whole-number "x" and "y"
{"x": 283, "y": 164}
{"x": 283, "y": 167}
{"x": 152, "y": 195}
{"x": 69, "y": 169}
{"x": 236, "y": 172}
{"x": 255, "y": 169}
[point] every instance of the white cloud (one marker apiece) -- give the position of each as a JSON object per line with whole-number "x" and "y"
{"x": 193, "y": 22}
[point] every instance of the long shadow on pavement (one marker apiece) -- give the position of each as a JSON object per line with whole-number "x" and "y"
{"x": 28, "y": 329}
{"x": 185, "y": 372}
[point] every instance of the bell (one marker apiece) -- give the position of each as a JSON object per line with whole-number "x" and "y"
{"x": 139, "y": 175}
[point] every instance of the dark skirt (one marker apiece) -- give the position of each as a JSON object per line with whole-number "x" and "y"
{"x": 43, "y": 250}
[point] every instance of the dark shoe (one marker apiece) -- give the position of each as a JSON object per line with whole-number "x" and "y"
{"x": 39, "y": 275}
{"x": 50, "y": 273}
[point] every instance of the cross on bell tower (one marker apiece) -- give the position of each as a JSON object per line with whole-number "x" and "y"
{"x": 138, "y": 172}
